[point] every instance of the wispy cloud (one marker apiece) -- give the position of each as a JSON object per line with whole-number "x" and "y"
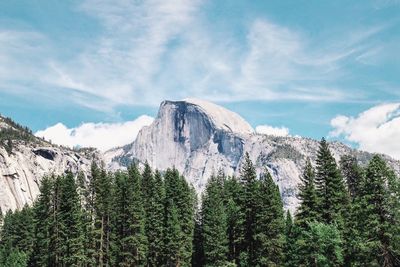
{"x": 152, "y": 50}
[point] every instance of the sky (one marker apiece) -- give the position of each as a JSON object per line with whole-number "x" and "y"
{"x": 78, "y": 71}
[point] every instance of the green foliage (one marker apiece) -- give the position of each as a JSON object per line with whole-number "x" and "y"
{"x": 154, "y": 220}
{"x": 331, "y": 190}
{"x": 378, "y": 222}
{"x": 353, "y": 174}
{"x": 214, "y": 223}
{"x": 319, "y": 245}
{"x": 180, "y": 202}
{"x": 145, "y": 218}
{"x": 235, "y": 218}
{"x": 13, "y": 258}
{"x": 269, "y": 224}
{"x": 248, "y": 205}
{"x": 70, "y": 217}
{"x": 307, "y": 212}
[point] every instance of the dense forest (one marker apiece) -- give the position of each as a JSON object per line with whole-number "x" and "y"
{"x": 349, "y": 216}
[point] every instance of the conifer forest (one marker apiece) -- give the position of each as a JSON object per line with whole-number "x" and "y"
{"x": 349, "y": 216}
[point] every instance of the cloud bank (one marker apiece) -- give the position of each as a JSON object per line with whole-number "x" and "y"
{"x": 270, "y": 130}
{"x": 375, "y": 130}
{"x": 99, "y": 135}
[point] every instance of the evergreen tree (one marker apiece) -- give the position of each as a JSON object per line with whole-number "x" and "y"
{"x": 394, "y": 219}
{"x": 352, "y": 173}
{"x": 248, "y": 202}
{"x": 102, "y": 198}
{"x": 183, "y": 200}
{"x": 269, "y": 224}
{"x": 198, "y": 248}
{"x": 70, "y": 217}
{"x": 131, "y": 243}
{"x": 354, "y": 177}
{"x": 17, "y": 233}
{"x": 15, "y": 258}
{"x": 172, "y": 249}
{"x": 85, "y": 192}
{"x": 235, "y": 218}
{"x": 307, "y": 212}
{"x": 214, "y": 223}
{"x": 55, "y": 251}
{"x": 331, "y": 191}
{"x": 42, "y": 215}
{"x": 290, "y": 242}
{"x": 319, "y": 245}
{"x": 377, "y": 217}
{"x": 154, "y": 221}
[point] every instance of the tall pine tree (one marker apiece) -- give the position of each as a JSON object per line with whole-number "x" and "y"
{"x": 307, "y": 212}
{"x": 269, "y": 224}
{"x": 70, "y": 217}
{"x": 214, "y": 223}
{"x": 331, "y": 190}
{"x": 248, "y": 202}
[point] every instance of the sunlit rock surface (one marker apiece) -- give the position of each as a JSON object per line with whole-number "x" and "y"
{"x": 200, "y": 138}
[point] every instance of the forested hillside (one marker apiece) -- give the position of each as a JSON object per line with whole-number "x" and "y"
{"x": 349, "y": 216}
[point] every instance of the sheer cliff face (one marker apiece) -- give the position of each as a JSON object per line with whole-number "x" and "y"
{"x": 184, "y": 135}
{"x": 199, "y": 138}
{"x": 22, "y": 168}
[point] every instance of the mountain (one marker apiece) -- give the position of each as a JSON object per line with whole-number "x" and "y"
{"x": 25, "y": 159}
{"x": 200, "y": 138}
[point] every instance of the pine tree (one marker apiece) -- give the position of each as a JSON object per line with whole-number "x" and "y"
{"x": 172, "y": 236}
{"x": 290, "y": 253}
{"x": 235, "y": 218}
{"x": 131, "y": 243}
{"x": 319, "y": 245}
{"x": 307, "y": 212}
{"x": 70, "y": 217}
{"x": 351, "y": 233}
{"x": 352, "y": 173}
{"x": 269, "y": 224}
{"x": 15, "y": 258}
{"x": 55, "y": 251}
{"x": 376, "y": 216}
{"x": 42, "y": 214}
{"x": 101, "y": 186}
{"x": 183, "y": 200}
{"x": 394, "y": 219}
{"x": 198, "y": 248}
{"x": 154, "y": 221}
{"x": 84, "y": 189}
{"x": 17, "y": 233}
{"x": 248, "y": 179}
{"x": 331, "y": 191}
{"x": 214, "y": 223}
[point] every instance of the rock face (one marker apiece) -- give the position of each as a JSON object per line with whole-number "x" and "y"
{"x": 199, "y": 138}
{"x": 23, "y": 166}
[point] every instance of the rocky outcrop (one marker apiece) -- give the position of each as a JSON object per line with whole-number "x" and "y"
{"x": 200, "y": 138}
{"x": 26, "y": 162}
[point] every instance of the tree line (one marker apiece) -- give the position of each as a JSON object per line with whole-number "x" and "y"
{"x": 348, "y": 216}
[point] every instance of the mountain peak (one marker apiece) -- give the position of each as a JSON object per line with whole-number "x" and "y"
{"x": 220, "y": 117}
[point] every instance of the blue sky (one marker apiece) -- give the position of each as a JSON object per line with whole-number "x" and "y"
{"x": 293, "y": 64}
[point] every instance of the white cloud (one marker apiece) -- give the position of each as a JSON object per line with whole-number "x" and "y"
{"x": 270, "y": 130}
{"x": 375, "y": 130}
{"x": 100, "y": 135}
